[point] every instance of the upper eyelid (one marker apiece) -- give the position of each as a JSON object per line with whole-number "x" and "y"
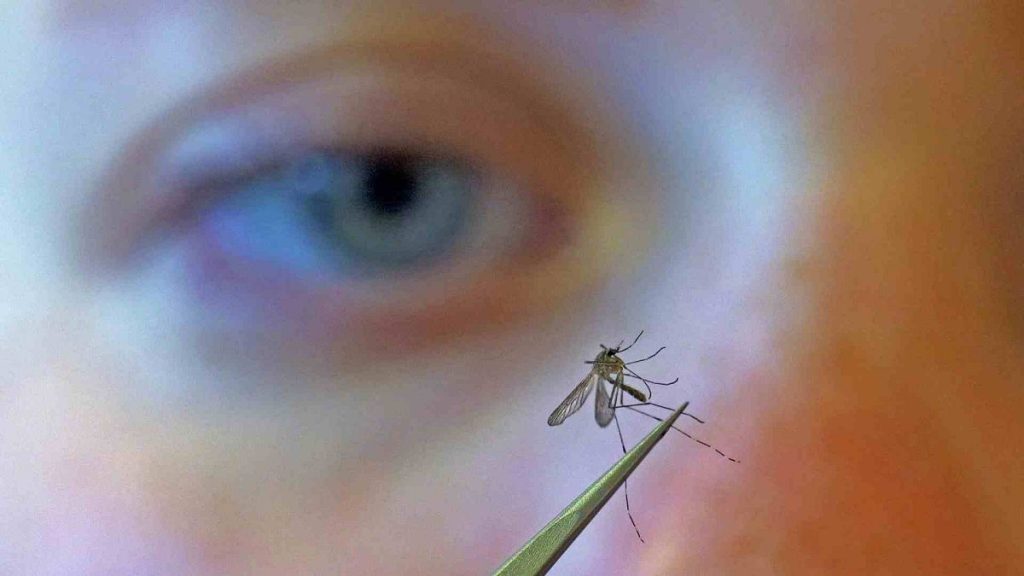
{"x": 273, "y": 126}
{"x": 480, "y": 70}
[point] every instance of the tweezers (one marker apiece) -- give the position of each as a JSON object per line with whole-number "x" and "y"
{"x": 542, "y": 551}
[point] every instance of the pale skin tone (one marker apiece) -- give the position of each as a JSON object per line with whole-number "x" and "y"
{"x": 815, "y": 207}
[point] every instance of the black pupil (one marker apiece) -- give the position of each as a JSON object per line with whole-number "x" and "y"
{"x": 391, "y": 184}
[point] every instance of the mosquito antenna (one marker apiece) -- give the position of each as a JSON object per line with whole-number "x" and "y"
{"x": 639, "y": 377}
{"x": 625, "y": 483}
{"x": 648, "y": 358}
{"x": 684, "y": 433}
{"x": 635, "y": 340}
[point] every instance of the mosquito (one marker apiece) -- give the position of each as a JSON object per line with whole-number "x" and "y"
{"x": 609, "y": 367}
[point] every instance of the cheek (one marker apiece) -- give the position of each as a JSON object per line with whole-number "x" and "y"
{"x": 885, "y": 439}
{"x": 73, "y": 470}
{"x": 874, "y": 439}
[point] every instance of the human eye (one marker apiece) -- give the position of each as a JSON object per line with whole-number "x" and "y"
{"x": 345, "y": 214}
{"x": 369, "y": 196}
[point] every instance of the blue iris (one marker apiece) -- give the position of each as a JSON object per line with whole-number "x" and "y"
{"x": 331, "y": 212}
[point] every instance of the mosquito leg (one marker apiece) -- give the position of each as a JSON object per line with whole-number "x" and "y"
{"x": 625, "y": 483}
{"x": 684, "y": 433}
{"x": 619, "y": 396}
{"x": 639, "y": 377}
{"x": 648, "y": 358}
{"x": 648, "y": 386}
{"x": 619, "y": 385}
{"x": 656, "y": 405}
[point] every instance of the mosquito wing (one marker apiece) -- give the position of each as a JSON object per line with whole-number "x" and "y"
{"x": 573, "y": 401}
{"x": 603, "y": 411}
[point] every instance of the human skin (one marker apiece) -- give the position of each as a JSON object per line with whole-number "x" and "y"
{"x": 814, "y": 206}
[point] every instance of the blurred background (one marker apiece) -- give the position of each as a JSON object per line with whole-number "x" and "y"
{"x": 293, "y": 288}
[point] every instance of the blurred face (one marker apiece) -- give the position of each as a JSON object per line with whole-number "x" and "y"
{"x": 293, "y": 289}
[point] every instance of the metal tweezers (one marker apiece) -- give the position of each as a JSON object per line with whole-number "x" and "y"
{"x": 542, "y": 551}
